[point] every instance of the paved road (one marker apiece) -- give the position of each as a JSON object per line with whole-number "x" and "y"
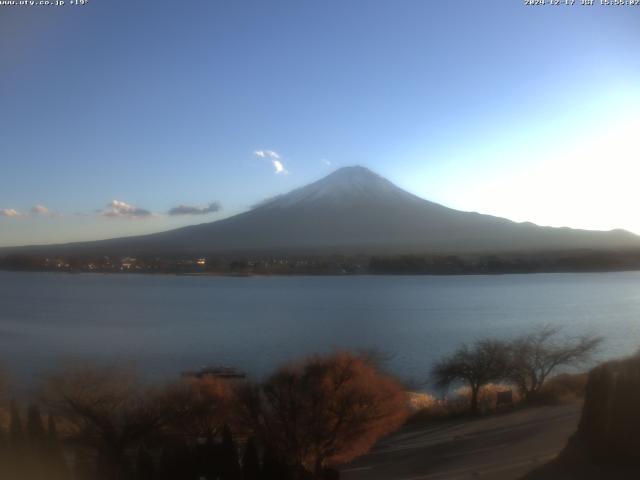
{"x": 498, "y": 447}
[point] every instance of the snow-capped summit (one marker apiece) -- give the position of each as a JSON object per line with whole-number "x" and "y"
{"x": 348, "y": 184}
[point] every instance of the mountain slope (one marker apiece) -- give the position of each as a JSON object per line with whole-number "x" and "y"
{"x": 354, "y": 210}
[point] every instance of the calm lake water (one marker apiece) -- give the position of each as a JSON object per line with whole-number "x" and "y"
{"x": 167, "y": 324}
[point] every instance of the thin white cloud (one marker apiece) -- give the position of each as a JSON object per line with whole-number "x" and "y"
{"x": 35, "y": 211}
{"x": 10, "y": 212}
{"x": 267, "y": 154}
{"x": 118, "y": 209}
{"x": 326, "y": 162}
{"x": 194, "y": 210}
{"x": 277, "y": 164}
{"x": 274, "y": 158}
{"x": 39, "y": 210}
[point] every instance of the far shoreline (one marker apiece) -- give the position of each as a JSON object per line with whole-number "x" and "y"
{"x": 310, "y": 275}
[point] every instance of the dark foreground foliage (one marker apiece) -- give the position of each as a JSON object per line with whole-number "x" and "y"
{"x": 103, "y": 424}
{"x": 607, "y": 443}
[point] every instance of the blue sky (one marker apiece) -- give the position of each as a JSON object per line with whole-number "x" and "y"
{"x": 115, "y": 112}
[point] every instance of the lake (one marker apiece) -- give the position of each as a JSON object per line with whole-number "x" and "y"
{"x": 167, "y": 324}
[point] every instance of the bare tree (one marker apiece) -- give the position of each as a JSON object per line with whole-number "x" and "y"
{"x": 201, "y": 407}
{"x": 324, "y": 411}
{"x": 536, "y": 355}
{"x": 484, "y": 362}
{"x": 107, "y": 412}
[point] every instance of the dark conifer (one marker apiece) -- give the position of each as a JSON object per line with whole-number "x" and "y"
{"x": 16, "y": 432}
{"x": 177, "y": 462}
{"x": 210, "y": 459}
{"x": 330, "y": 474}
{"x": 52, "y": 433}
{"x": 273, "y": 467}
{"x": 35, "y": 429}
{"x": 250, "y": 461}
{"x": 52, "y": 448}
{"x": 4, "y": 441}
{"x": 17, "y": 462}
{"x": 4, "y": 454}
{"x": 230, "y": 465}
{"x": 145, "y": 469}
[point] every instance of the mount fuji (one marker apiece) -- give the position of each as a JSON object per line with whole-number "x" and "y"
{"x": 354, "y": 211}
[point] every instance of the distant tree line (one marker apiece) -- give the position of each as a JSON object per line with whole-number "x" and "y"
{"x": 577, "y": 261}
{"x": 568, "y": 261}
{"x": 223, "y": 265}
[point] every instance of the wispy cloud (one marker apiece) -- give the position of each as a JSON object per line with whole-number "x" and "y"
{"x": 266, "y": 154}
{"x": 326, "y": 162}
{"x": 274, "y": 158}
{"x": 194, "y": 210}
{"x": 39, "y": 210}
{"x": 118, "y": 209}
{"x": 35, "y": 211}
{"x": 10, "y": 212}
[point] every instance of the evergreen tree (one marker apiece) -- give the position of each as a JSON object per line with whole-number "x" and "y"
{"x": 210, "y": 459}
{"x": 250, "y": 461}
{"x": 53, "y": 450}
{"x": 16, "y": 432}
{"x": 52, "y": 433}
{"x": 330, "y": 474}
{"x": 273, "y": 467}
{"x": 4, "y": 454}
{"x": 177, "y": 462}
{"x": 35, "y": 430}
{"x": 4, "y": 441}
{"x": 84, "y": 467}
{"x": 110, "y": 466}
{"x": 145, "y": 469}
{"x": 17, "y": 463}
{"x": 230, "y": 464}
